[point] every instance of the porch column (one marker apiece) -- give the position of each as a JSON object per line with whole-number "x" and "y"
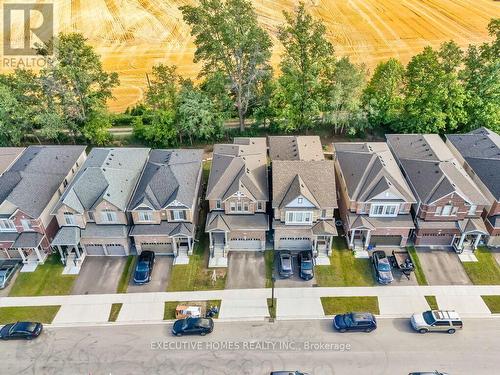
{"x": 77, "y": 251}
{"x": 367, "y": 239}
{"x": 210, "y": 242}
{"x": 21, "y": 252}
{"x": 330, "y": 243}
{"x": 37, "y": 251}
{"x": 190, "y": 244}
{"x": 461, "y": 243}
{"x": 351, "y": 242}
{"x": 174, "y": 246}
{"x": 59, "y": 248}
{"x": 315, "y": 242}
{"x": 476, "y": 242}
{"x": 225, "y": 238}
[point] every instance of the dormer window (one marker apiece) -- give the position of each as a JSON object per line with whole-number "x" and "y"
{"x": 145, "y": 216}
{"x": 69, "y": 218}
{"x": 108, "y": 216}
{"x": 178, "y": 215}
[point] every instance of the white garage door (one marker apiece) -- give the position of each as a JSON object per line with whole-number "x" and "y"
{"x": 115, "y": 249}
{"x": 160, "y": 248}
{"x": 444, "y": 240}
{"x": 251, "y": 244}
{"x": 94, "y": 249}
{"x": 295, "y": 243}
{"x": 4, "y": 254}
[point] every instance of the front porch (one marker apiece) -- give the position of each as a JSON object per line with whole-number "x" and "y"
{"x": 473, "y": 230}
{"x": 218, "y": 245}
{"x": 67, "y": 243}
{"x": 323, "y": 232}
{"x": 28, "y": 244}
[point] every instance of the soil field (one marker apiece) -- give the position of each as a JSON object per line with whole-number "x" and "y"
{"x": 133, "y": 35}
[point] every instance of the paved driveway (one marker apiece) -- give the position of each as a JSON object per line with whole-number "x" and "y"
{"x": 159, "y": 281}
{"x": 246, "y": 270}
{"x": 99, "y": 275}
{"x": 442, "y": 267}
{"x": 294, "y": 281}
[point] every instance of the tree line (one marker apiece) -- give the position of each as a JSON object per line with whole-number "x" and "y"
{"x": 442, "y": 90}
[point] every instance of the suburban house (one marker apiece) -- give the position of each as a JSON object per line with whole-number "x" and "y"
{"x": 304, "y": 196}
{"x": 164, "y": 207}
{"x": 29, "y": 190}
{"x": 8, "y": 155}
{"x": 92, "y": 211}
{"x": 374, "y": 197}
{"x": 237, "y": 193}
{"x": 449, "y": 204}
{"x": 479, "y": 153}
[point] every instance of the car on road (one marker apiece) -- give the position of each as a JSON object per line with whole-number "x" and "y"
{"x": 288, "y": 373}
{"x": 144, "y": 267}
{"x": 355, "y": 321}
{"x": 306, "y": 265}
{"x": 428, "y": 373}
{"x": 21, "y": 330}
{"x": 8, "y": 269}
{"x": 285, "y": 264}
{"x": 193, "y": 326}
{"x": 382, "y": 267}
{"x": 436, "y": 321}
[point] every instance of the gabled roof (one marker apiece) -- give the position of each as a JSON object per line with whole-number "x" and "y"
{"x": 431, "y": 168}
{"x": 108, "y": 174}
{"x": 315, "y": 180}
{"x": 481, "y": 150}
{"x": 241, "y": 166}
{"x": 8, "y": 155}
{"x": 369, "y": 169}
{"x": 292, "y": 147}
{"x": 218, "y": 221}
{"x": 36, "y": 175}
{"x": 324, "y": 227}
{"x": 170, "y": 175}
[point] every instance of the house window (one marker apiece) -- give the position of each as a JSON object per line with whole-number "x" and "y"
{"x": 439, "y": 209}
{"x": 233, "y": 206}
{"x": 69, "y": 218}
{"x": 245, "y": 206}
{"x": 145, "y": 216}
{"x": 178, "y": 215}
{"x": 26, "y": 223}
{"x": 299, "y": 200}
{"x": 91, "y": 216}
{"x": 447, "y": 210}
{"x": 259, "y": 206}
{"x": 7, "y": 225}
{"x": 472, "y": 209}
{"x": 323, "y": 214}
{"x": 218, "y": 204}
{"x": 108, "y": 216}
{"x": 384, "y": 210}
{"x": 298, "y": 217}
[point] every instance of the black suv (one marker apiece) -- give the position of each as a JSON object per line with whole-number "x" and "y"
{"x": 354, "y": 321}
{"x": 306, "y": 265}
{"x": 144, "y": 267}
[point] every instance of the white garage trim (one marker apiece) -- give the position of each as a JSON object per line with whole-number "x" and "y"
{"x": 294, "y": 243}
{"x": 94, "y": 249}
{"x": 254, "y": 244}
{"x": 115, "y": 249}
{"x": 160, "y": 248}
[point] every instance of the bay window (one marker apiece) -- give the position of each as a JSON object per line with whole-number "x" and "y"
{"x": 384, "y": 210}
{"x": 298, "y": 217}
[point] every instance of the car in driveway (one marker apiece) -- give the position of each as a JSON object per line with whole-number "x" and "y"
{"x": 306, "y": 265}
{"x": 382, "y": 267}
{"x": 285, "y": 264}
{"x": 193, "y": 326}
{"x": 436, "y": 321}
{"x": 8, "y": 269}
{"x": 144, "y": 267}
{"x": 21, "y": 330}
{"x": 355, "y": 321}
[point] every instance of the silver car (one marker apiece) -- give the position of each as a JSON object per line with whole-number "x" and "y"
{"x": 382, "y": 267}
{"x": 436, "y": 321}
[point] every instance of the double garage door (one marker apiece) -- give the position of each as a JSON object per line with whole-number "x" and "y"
{"x": 112, "y": 248}
{"x": 160, "y": 248}
{"x": 245, "y": 244}
{"x": 436, "y": 240}
{"x": 295, "y": 243}
{"x": 385, "y": 240}
{"x": 9, "y": 254}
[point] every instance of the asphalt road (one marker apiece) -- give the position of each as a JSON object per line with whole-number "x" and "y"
{"x": 150, "y": 349}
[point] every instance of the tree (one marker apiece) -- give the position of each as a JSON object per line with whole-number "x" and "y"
{"x": 10, "y": 134}
{"x": 383, "y": 97}
{"x": 161, "y": 132}
{"x": 163, "y": 87}
{"x": 306, "y": 55}
{"x": 343, "y": 85}
{"x": 229, "y": 39}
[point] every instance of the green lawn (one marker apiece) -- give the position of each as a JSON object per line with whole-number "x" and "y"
{"x": 269, "y": 260}
{"x": 126, "y": 274}
{"x": 196, "y": 275}
{"x": 272, "y": 309}
{"x": 344, "y": 269}
{"x": 169, "y": 312}
{"x": 486, "y": 270}
{"x": 47, "y": 280}
{"x": 493, "y": 303}
{"x": 432, "y": 302}
{"x": 419, "y": 272}
{"x": 342, "y": 305}
{"x": 115, "y": 310}
{"x": 42, "y": 314}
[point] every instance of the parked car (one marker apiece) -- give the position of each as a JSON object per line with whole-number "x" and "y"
{"x": 428, "y": 373}
{"x": 144, "y": 267}
{"x": 355, "y": 321}
{"x": 21, "y": 330}
{"x": 8, "y": 269}
{"x": 193, "y": 326}
{"x": 288, "y": 373}
{"x": 285, "y": 264}
{"x": 306, "y": 265}
{"x": 382, "y": 267}
{"x": 437, "y": 320}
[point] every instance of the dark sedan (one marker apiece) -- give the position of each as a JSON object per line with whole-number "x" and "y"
{"x": 193, "y": 326}
{"x": 144, "y": 267}
{"x": 306, "y": 265}
{"x": 288, "y": 373}
{"x": 21, "y": 330}
{"x": 365, "y": 322}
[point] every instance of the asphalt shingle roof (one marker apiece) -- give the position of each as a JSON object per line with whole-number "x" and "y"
{"x": 8, "y": 155}
{"x": 163, "y": 229}
{"x": 221, "y": 221}
{"x": 306, "y": 148}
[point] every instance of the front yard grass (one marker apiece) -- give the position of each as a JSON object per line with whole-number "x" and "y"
{"x": 126, "y": 274}
{"x": 46, "y": 280}
{"x": 272, "y": 309}
{"x": 342, "y": 305}
{"x": 170, "y": 306}
{"x": 42, "y": 314}
{"x": 432, "y": 302}
{"x": 485, "y": 271}
{"x": 115, "y": 310}
{"x": 419, "y": 272}
{"x": 493, "y": 303}
{"x": 344, "y": 268}
{"x": 269, "y": 260}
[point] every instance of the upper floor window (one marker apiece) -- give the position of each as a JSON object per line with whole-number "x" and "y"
{"x": 145, "y": 216}
{"x": 178, "y": 215}
{"x": 447, "y": 210}
{"x": 108, "y": 216}
{"x": 260, "y": 205}
{"x": 383, "y": 210}
{"x": 69, "y": 218}
{"x": 218, "y": 204}
{"x": 472, "y": 209}
{"x": 323, "y": 214}
{"x": 26, "y": 223}
{"x": 7, "y": 225}
{"x": 239, "y": 206}
{"x": 298, "y": 217}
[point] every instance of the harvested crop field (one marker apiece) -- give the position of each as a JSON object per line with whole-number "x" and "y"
{"x": 133, "y": 35}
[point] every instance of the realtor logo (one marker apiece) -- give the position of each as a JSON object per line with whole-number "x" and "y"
{"x": 25, "y": 26}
